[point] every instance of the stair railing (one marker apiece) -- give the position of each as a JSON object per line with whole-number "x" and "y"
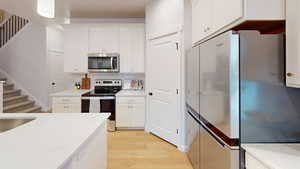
{"x": 10, "y": 28}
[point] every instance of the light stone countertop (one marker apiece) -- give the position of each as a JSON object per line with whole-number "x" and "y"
{"x": 131, "y": 93}
{"x": 48, "y": 141}
{"x": 70, "y": 93}
{"x": 275, "y": 156}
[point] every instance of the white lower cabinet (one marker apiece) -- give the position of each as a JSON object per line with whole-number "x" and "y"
{"x": 130, "y": 112}
{"x": 66, "y": 104}
{"x": 92, "y": 154}
{"x": 253, "y": 163}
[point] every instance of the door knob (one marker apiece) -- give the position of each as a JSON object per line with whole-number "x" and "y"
{"x": 290, "y": 74}
{"x": 150, "y": 94}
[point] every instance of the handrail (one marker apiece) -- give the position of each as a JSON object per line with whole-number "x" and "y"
{"x": 11, "y": 27}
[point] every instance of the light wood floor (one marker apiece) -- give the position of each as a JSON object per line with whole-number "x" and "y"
{"x": 140, "y": 150}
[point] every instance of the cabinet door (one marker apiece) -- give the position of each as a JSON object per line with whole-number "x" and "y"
{"x": 224, "y": 16}
{"x": 132, "y": 48}
{"x": 138, "y": 115}
{"x": 293, "y": 43}
{"x": 123, "y": 115}
{"x": 163, "y": 17}
{"x": 76, "y": 49}
{"x": 104, "y": 38}
{"x": 201, "y": 19}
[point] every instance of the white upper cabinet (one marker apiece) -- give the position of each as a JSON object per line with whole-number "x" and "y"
{"x": 293, "y": 43}
{"x": 76, "y": 49}
{"x": 104, "y": 38}
{"x": 211, "y": 17}
{"x": 132, "y": 48}
{"x": 201, "y": 19}
{"x": 163, "y": 17}
{"x": 223, "y": 16}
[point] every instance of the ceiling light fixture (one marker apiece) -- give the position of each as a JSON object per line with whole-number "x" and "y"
{"x": 46, "y": 8}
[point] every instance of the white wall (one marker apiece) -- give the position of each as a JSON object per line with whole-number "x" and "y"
{"x": 1, "y": 97}
{"x": 187, "y": 45}
{"x": 24, "y": 59}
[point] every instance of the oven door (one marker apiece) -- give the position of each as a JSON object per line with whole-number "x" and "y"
{"x": 108, "y": 105}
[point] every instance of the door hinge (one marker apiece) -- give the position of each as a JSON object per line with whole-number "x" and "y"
{"x": 177, "y": 131}
{"x": 177, "y": 91}
{"x": 177, "y": 46}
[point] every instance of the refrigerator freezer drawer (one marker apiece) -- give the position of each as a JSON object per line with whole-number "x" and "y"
{"x": 215, "y": 155}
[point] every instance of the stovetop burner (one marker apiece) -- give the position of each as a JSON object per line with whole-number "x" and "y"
{"x": 105, "y": 88}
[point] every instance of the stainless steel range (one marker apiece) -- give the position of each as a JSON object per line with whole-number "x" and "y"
{"x": 103, "y": 100}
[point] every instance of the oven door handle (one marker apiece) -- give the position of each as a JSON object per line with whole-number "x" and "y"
{"x": 99, "y": 98}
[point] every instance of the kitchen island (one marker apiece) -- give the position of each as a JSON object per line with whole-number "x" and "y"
{"x": 55, "y": 141}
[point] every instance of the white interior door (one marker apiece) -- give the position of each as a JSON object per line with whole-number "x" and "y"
{"x": 163, "y": 75}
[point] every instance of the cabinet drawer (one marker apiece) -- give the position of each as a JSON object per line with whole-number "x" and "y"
{"x": 66, "y": 108}
{"x": 66, "y": 100}
{"x": 130, "y": 100}
{"x": 252, "y": 163}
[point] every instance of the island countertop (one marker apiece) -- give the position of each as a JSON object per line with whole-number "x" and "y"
{"x": 48, "y": 141}
{"x": 275, "y": 156}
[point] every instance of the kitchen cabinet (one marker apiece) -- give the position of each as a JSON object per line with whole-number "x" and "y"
{"x": 132, "y": 48}
{"x": 130, "y": 112}
{"x": 201, "y": 19}
{"x": 211, "y": 17}
{"x": 163, "y": 17}
{"x": 253, "y": 163}
{"x": 104, "y": 38}
{"x": 76, "y": 49}
{"x": 66, "y": 104}
{"x": 293, "y": 43}
{"x": 88, "y": 155}
{"x": 225, "y": 12}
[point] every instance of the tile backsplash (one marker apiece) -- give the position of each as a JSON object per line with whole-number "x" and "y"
{"x": 71, "y": 79}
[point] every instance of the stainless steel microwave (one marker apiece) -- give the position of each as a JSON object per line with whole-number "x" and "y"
{"x": 104, "y": 62}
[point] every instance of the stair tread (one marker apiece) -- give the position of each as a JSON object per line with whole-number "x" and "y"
{"x": 11, "y": 91}
{"x": 13, "y": 106}
{"x": 8, "y": 84}
{"x": 32, "y": 109}
{"x": 14, "y": 98}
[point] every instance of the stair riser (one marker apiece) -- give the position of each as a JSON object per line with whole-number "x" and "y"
{"x": 12, "y": 94}
{"x": 36, "y": 111}
{"x": 19, "y": 109}
{"x": 9, "y": 87}
{"x": 15, "y": 101}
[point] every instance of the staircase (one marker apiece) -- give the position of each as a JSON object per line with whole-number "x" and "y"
{"x": 15, "y": 102}
{"x": 10, "y": 27}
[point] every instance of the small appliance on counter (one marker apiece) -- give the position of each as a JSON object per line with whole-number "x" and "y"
{"x": 133, "y": 85}
{"x": 102, "y": 100}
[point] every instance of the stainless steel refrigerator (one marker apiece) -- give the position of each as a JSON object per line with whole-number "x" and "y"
{"x": 218, "y": 72}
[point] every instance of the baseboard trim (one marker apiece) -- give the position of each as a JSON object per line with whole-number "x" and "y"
{"x": 183, "y": 148}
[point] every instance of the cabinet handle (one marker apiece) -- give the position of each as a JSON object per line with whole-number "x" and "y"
{"x": 290, "y": 74}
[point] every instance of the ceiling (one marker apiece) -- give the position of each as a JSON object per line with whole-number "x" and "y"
{"x": 107, "y": 8}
